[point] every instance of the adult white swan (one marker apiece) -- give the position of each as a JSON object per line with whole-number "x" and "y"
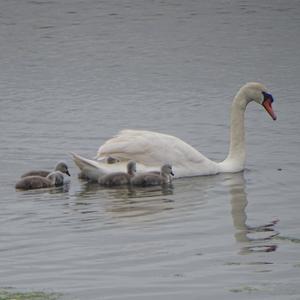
{"x": 150, "y": 150}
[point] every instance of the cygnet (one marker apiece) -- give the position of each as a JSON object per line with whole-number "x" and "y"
{"x": 119, "y": 178}
{"x": 60, "y": 166}
{"x": 152, "y": 178}
{"x": 55, "y": 178}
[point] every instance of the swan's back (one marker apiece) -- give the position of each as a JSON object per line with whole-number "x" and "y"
{"x": 147, "y": 147}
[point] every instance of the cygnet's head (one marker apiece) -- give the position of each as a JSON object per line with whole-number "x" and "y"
{"x": 255, "y": 91}
{"x": 56, "y": 178}
{"x": 62, "y": 167}
{"x": 131, "y": 167}
{"x": 167, "y": 170}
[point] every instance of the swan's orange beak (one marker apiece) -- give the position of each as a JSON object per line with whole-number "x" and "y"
{"x": 267, "y": 104}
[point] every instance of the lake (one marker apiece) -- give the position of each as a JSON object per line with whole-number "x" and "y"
{"x": 74, "y": 73}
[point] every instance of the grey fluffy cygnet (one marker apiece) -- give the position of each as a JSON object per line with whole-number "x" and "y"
{"x": 119, "y": 178}
{"x": 60, "y": 166}
{"x": 55, "y": 178}
{"x": 153, "y": 178}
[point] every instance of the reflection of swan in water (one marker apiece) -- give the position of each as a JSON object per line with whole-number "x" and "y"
{"x": 266, "y": 232}
{"x": 124, "y": 201}
{"x": 187, "y": 194}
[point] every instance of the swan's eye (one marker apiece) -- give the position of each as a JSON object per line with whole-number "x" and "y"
{"x": 268, "y": 96}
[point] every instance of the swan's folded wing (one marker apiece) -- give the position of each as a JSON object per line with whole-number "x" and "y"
{"x": 149, "y": 148}
{"x": 130, "y": 145}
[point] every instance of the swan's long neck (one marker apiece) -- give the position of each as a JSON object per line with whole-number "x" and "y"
{"x": 235, "y": 160}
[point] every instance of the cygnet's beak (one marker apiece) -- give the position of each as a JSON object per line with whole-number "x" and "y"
{"x": 67, "y": 172}
{"x": 267, "y": 104}
{"x": 172, "y": 173}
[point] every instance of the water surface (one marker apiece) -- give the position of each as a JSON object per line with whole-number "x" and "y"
{"x": 73, "y": 73}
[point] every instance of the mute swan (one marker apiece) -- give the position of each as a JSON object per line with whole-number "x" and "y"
{"x": 60, "y": 166}
{"x": 152, "y": 149}
{"x": 55, "y": 178}
{"x": 152, "y": 179}
{"x": 119, "y": 178}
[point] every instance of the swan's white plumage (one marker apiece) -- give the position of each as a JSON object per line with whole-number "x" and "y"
{"x": 150, "y": 150}
{"x": 153, "y": 149}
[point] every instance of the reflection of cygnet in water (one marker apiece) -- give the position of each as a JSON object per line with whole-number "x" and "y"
{"x": 55, "y": 178}
{"x": 152, "y": 178}
{"x": 119, "y": 178}
{"x": 61, "y": 166}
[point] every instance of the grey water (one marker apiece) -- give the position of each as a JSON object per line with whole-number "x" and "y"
{"x": 73, "y": 73}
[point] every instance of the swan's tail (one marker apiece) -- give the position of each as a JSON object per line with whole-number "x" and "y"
{"x": 90, "y": 169}
{"x": 82, "y": 162}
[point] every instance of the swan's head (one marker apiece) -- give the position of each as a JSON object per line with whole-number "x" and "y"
{"x": 131, "y": 167}
{"x": 257, "y": 92}
{"x": 62, "y": 167}
{"x": 167, "y": 170}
